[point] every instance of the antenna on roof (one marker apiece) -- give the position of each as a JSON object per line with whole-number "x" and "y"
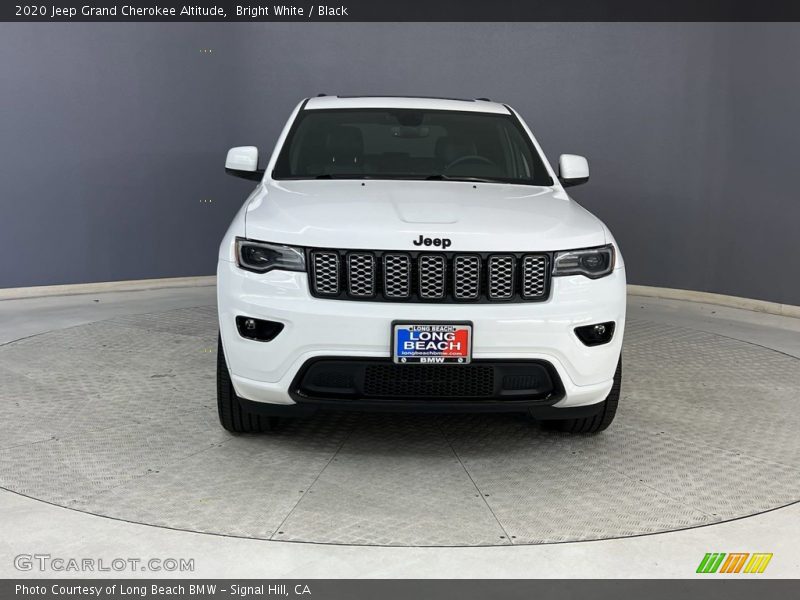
{"x": 321, "y": 95}
{"x": 484, "y": 99}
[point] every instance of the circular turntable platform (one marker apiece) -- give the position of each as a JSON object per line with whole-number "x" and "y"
{"x": 118, "y": 418}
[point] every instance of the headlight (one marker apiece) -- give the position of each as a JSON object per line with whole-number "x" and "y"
{"x": 261, "y": 257}
{"x": 591, "y": 262}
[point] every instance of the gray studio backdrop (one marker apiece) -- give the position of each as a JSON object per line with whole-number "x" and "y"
{"x": 113, "y": 136}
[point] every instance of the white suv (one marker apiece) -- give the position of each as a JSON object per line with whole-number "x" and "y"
{"x": 416, "y": 254}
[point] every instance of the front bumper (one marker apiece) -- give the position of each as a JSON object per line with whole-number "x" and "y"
{"x": 263, "y": 372}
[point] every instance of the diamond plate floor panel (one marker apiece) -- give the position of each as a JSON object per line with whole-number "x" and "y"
{"x": 544, "y": 488}
{"x": 118, "y": 418}
{"x": 396, "y": 481}
{"x": 244, "y": 486}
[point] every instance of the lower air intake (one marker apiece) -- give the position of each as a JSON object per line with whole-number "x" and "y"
{"x": 435, "y": 381}
{"x": 377, "y": 379}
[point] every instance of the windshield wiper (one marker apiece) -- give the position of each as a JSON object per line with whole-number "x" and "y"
{"x": 434, "y": 177}
{"x": 442, "y": 177}
{"x": 343, "y": 176}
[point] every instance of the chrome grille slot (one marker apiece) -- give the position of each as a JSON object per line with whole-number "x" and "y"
{"x": 361, "y": 274}
{"x": 408, "y": 276}
{"x": 466, "y": 276}
{"x": 501, "y": 276}
{"x": 325, "y": 276}
{"x": 397, "y": 275}
{"x": 432, "y": 276}
{"x": 534, "y": 276}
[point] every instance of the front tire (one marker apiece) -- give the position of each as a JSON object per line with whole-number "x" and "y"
{"x": 232, "y": 415}
{"x": 597, "y": 422}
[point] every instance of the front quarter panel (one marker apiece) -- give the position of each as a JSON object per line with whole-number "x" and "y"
{"x": 237, "y": 228}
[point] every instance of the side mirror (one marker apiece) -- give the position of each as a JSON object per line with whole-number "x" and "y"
{"x": 572, "y": 170}
{"x": 242, "y": 161}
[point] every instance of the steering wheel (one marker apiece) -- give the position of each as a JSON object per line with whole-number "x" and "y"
{"x": 470, "y": 158}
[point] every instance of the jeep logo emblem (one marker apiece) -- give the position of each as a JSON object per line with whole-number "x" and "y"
{"x": 423, "y": 241}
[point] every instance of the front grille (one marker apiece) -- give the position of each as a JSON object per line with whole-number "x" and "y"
{"x": 361, "y": 275}
{"x": 397, "y": 276}
{"x": 429, "y": 277}
{"x": 501, "y": 277}
{"x": 326, "y": 273}
{"x": 466, "y": 277}
{"x": 432, "y": 276}
{"x": 534, "y": 276}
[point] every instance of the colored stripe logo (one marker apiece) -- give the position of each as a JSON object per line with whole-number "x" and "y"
{"x": 734, "y": 562}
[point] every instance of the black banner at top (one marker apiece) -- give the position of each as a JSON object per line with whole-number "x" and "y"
{"x": 403, "y": 10}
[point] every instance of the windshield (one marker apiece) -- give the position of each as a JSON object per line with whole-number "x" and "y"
{"x": 409, "y": 144}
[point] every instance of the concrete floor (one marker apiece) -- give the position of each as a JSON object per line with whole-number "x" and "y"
{"x": 30, "y": 526}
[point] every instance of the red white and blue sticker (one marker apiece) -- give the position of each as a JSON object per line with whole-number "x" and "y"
{"x": 432, "y": 343}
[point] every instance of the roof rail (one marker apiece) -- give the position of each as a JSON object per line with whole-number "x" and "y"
{"x": 411, "y": 97}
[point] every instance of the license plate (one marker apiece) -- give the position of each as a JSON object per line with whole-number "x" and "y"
{"x": 432, "y": 343}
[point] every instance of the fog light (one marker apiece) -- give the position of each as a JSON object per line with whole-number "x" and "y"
{"x": 258, "y": 329}
{"x": 595, "y": 335}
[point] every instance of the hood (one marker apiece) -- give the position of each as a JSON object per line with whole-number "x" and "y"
{"x": 392, "y": 215}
